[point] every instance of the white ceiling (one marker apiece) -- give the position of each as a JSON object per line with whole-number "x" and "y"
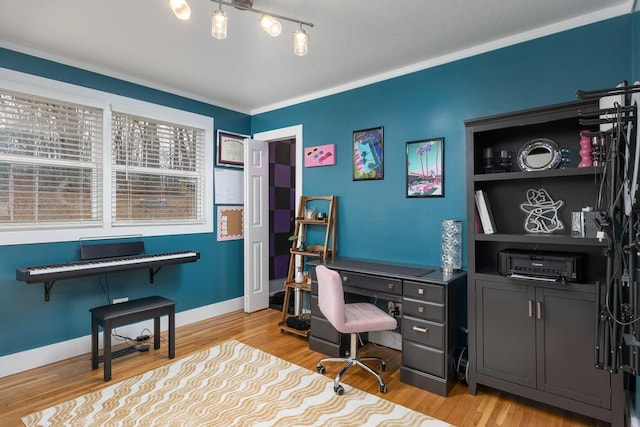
{"x": 353, "y": 42}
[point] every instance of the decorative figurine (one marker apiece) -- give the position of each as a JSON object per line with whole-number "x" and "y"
{"x": 565, "y": 154}
{"x": 585, "y": 150}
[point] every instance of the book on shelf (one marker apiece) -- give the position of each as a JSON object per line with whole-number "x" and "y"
{"x": 477, "y": 224}
{"x": 485, "y": 213}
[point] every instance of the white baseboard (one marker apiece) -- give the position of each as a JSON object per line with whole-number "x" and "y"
{"x": 29, "y": 359}
{"x": 389, "y": 339}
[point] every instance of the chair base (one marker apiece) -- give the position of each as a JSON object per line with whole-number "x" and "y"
{"x": 353, "y": 359}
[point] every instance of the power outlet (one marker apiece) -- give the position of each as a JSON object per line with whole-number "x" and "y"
{"x": 119, "y": 300}
{"x": 395, "y": 308}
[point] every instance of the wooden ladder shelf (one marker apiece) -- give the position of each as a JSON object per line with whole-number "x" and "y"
{"x": 313, "y": 212}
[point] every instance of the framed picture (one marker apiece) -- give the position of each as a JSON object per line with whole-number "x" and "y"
{"x": 425, "y": 168}
{"x": 320, "y": 155}
{"x": 230, "y": 149}
{"x": 368, "y": 147}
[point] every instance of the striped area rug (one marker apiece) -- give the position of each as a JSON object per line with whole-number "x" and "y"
{"x": 230, "y": 384}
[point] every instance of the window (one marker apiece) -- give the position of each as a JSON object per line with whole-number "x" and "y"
{"x": 157, "y": 173}
{"x": 50, "y": 162}
{"x": 78, "y": 163}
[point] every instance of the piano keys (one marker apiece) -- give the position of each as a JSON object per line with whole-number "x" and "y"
{"x": 48, "y": 274}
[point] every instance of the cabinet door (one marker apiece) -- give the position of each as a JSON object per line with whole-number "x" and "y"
{"x": 506, "y": 332}
{"x": 566, "y": 339}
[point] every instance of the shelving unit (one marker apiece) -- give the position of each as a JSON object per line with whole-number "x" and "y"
{"x": 323, "y": 247}
{"x": 531, "y": 337}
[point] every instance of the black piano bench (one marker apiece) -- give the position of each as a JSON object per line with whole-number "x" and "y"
{"x": 124, "y": 313}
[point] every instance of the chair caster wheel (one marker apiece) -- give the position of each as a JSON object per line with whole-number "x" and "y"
{"x": 321, "y": 369}
{"x": 339, "y": 390}
{"x": 383, "y": 366}
{"x": 382, "y": 388}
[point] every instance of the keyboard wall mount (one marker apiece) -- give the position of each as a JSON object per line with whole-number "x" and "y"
{"x": 103, "y": 258}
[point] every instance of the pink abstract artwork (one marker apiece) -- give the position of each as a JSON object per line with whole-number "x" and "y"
{"x": 320, "y": 155}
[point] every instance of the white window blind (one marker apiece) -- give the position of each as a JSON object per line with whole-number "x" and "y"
{"x": 157, "y": 171}
{"x": 50, "y": 162}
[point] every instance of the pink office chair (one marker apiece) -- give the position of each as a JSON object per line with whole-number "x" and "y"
{"x": 349, "y": 319}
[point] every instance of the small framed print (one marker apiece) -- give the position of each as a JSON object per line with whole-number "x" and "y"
{"x": 368, "y": 148}
{"x": 230, "y": 149}
{"x": 425, "y": 168}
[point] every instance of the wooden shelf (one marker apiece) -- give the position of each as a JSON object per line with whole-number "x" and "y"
{"x": 320, "y": 250}
{"x": 292, "y": 284}
{"x": 557, "y": 239}
{"x": 552, "y": 173}
{"x": 286, "y": 328}
{"x": 317, "y": 254}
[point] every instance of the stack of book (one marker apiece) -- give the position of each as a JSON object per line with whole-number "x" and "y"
{"x": 483, "y": 209}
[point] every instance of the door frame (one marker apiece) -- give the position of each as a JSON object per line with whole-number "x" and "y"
{"x": 290, "y": 132}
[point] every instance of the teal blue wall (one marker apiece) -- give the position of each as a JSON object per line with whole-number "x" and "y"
{"x": 27, "y": 321}
{"x": 375, "y": 220}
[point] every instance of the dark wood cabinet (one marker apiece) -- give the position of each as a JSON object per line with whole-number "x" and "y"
{"x": 541, "y": 338}
{"x": 506, "y": 346}
{"x": 527, "y": 336}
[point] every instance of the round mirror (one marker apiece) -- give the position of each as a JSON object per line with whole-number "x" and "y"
{"x": 539, "y": 154}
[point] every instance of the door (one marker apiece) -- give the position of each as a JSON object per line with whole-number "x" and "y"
{"x": 506, "y": 332}
{"x": 566, "y": 337}
{"x": 251, "y": 271}
{"x": 256, "y": 225}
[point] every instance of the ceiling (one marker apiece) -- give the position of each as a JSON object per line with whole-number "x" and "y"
{"x": 352, "y": 43}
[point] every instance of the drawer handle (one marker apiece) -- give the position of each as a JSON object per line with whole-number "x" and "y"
{"x": 421, "y": 309}
{"x": 390, "y": 285}
{"x": 420, "y": 291}
{"x": 538, "y": 310}
{"x": 345, "y": 278}
{"x": 419, "y": 329}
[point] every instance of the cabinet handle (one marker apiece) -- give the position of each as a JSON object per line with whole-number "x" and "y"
{"x": 420, "y": 291}
{"x": 421, "y": 309}
{"x": 530, "y": 308}
{"x": 539, "y": 310}
{"x": 419, "y": 329}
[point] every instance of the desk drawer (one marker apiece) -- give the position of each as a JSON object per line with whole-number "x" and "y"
{"x": 321, "y": 328}
{"x": 423, "y": 310}
{"x": 424, "y": 291}
{"x": 374, "y": 283}
{"x": 315, "y": 308}
{"x": 423, "y": 358}
{"x": 423, "y": 332}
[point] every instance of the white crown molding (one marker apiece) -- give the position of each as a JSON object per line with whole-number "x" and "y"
{"x": 114, "y": 74}
{"x": 580, "y": 21}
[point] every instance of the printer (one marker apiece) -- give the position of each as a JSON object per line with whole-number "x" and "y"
{"x": 541, "y": 265}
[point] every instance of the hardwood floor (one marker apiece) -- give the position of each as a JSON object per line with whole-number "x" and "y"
{"x": 27, "y": 392}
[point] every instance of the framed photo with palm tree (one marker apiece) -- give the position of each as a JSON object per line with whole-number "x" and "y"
{"x": 425, "y": 168}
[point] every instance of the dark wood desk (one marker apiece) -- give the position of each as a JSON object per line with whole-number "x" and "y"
{"x": 433, "y": 316}
{"x": 114, "y": 315}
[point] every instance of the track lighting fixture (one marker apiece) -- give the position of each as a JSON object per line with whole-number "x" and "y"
{"x": 268, "y": 21}
{"x": 300, "y": 42}
{"x": 270, "y": 25}
{"x": 181, "y": 9}
{"x": 219, "y": 24}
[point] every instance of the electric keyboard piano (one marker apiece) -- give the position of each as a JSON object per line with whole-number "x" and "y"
{"x": 48, "y": 274}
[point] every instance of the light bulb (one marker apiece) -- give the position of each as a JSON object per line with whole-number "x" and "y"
{"x": 181, "y": 9}
{"x": 300, "y": 42}
{"x": 219, "y": 24}
{"x": 270, "y": 25}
